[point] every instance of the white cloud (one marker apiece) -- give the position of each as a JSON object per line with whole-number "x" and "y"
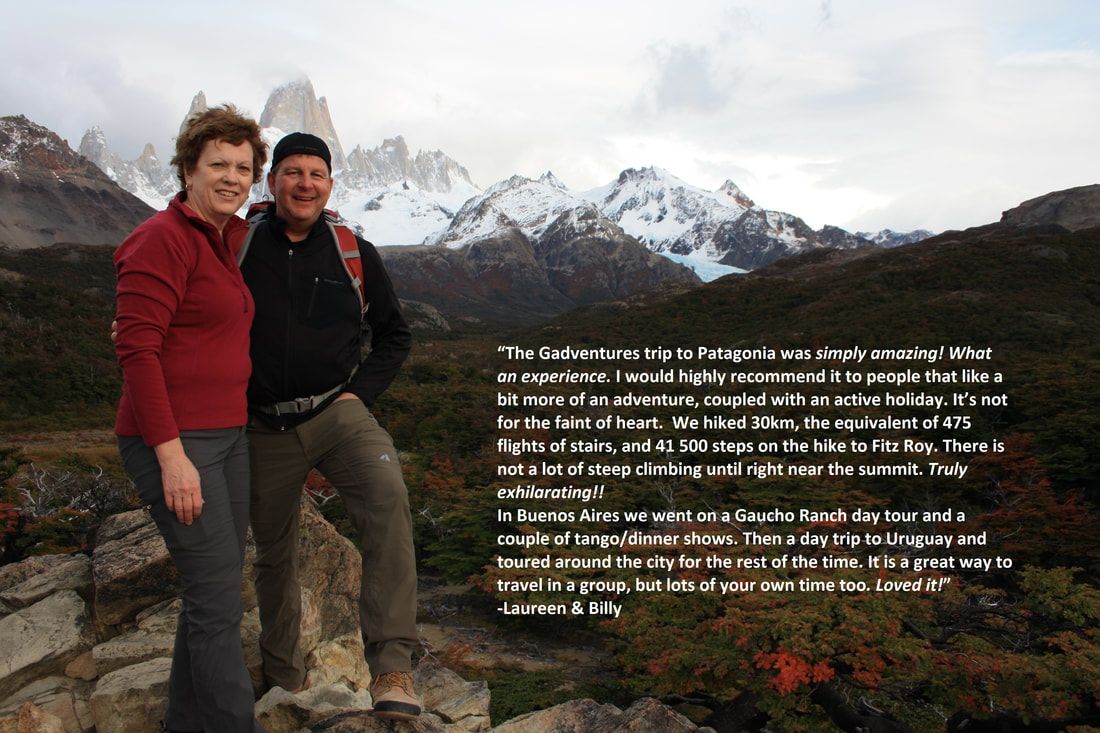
{"x": 852, "y": 112}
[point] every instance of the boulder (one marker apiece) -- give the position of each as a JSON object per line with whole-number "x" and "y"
{"x": 132, "y": 699}
{"x": 31, "y": 719}
{"x": 131, "y": 567}
{"x": 48, "y": 574}
{"x": 464, "y": 705}
{"x": 280, "y": 711}
{"x": 62, "y": 697}
{"x": 42, "y": 639}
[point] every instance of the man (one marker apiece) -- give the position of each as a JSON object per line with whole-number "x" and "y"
{"x": 308, "y": 398}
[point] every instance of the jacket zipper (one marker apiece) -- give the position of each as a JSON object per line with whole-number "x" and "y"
{"x": 289, "y": 316}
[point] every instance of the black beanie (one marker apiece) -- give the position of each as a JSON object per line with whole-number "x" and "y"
{"x": 301, "y": 143}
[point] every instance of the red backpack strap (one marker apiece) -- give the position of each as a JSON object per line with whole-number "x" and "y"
{"x": 350, "y": 256}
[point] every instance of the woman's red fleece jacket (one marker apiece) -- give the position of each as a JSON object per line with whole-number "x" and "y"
{"x": 184, "y": 315}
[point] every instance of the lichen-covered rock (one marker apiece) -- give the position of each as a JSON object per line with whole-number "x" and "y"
{"x": 132, "y": 699}
{"x": 339, "y": 660}
{"x": 464, "y": 705}
{"x": 42, "y": 639}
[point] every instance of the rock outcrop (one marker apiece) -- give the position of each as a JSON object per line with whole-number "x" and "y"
{"x": 1072, "y": 208}
{"x": 48, "y": 633}
{"x": 56, "y": 678}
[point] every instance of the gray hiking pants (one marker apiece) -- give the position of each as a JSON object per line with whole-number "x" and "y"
{"x": 209, "y": 688}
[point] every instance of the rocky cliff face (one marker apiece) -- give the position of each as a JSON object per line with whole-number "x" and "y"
{"x": 50, "y": 195}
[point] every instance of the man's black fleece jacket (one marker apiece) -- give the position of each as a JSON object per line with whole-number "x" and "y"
{"x": 306, "y": 331}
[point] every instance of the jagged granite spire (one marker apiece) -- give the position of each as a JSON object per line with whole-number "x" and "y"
{"x": 391, "y": 163}
{"x": 198, "y": 104}
{"x": 144, "y": 177}
{"x": 294, "y": 107}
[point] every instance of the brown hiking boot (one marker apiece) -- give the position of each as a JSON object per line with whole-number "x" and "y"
{"x": 394, "y": 696}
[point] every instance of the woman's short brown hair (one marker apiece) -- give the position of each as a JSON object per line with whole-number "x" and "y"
{"x": 218, "y": 123}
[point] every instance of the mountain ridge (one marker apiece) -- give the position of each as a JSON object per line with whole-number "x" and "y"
{"x": 49, "y": 194}
{"x": 398, "y": 197}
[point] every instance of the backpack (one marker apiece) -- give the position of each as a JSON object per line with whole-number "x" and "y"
{"x": 342, "y": 237}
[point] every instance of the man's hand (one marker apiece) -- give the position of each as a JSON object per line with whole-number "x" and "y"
{"x": 182, "y": 490}
{"x": 346, "y": 396}
{"x": 114, "y": 332}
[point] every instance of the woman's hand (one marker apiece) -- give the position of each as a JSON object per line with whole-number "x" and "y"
{"x": 182, "y": 491}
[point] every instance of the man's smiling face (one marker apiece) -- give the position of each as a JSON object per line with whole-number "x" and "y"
{"x": 301, "y": 184}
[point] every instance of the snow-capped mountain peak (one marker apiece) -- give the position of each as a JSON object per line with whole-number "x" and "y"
{"x": 551, "y": 180}
{"x": 731, "y": 192}
{"x": 528, "y": 205}
{"x": 144, "y": 176}
{"x": 723, "y": 226}
{"x": 888, "y": 238}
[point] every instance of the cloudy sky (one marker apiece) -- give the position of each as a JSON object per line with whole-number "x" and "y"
{"x": 861, "y": 113}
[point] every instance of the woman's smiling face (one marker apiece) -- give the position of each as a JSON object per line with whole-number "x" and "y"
{"x": 219, "y": 184}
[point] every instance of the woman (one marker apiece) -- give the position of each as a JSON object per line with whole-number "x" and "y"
{"x": 184, "y": 315}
